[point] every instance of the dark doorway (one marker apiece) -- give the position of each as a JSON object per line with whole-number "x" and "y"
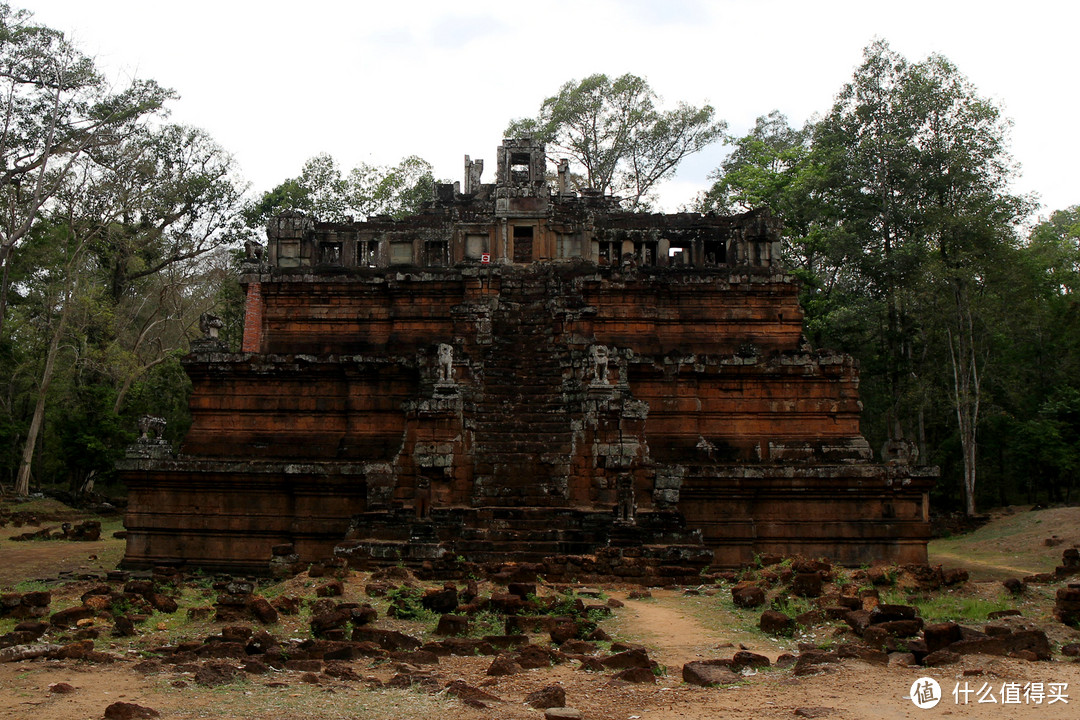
{"x": 523, "y": 244}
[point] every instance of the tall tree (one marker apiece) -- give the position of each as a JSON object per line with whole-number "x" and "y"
{"x": 613, "y": 130}
{"x": 918, "y": 170}
{"x": 59, "y": 283}
{"x": 128, "y": 233}
{"x": 54, "y": 107}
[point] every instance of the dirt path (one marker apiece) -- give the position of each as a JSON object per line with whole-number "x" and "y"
{"x": 47, "y": 558}
{"x": 674, "y": 637}
{"x": 982, "y": 569}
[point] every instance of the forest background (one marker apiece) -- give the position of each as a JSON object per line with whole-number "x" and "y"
{"x": 118, "y": 230}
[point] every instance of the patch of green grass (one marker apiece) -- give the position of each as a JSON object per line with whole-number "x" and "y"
{"x": 721, "y": 613}
{"x": 110, "y": 525}
{"x": 199, "y": 578}
{"x": 26, "y": 586}
{"x": 596, "y": 615}
{"x": 178, "y": 626}
{"x": 120, "y": 606}
{"x": 950, "y": 607}
{"x": 792, "y": 606}
{"x": 827, "y": 644}
{"x": 566, "y": 605}
{"x": 38, "y": 506}
{"x": 406, "y": 603}
{"x": 486, "y": 623}
{"x": 273, "y": 590}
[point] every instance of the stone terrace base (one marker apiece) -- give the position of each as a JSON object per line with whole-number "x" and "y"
{"x": 854, "y": 514}
{"x": 227, "y": 516}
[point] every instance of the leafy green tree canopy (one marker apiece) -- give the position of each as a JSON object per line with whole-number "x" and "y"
{"x": 54, "y": 108}
{"x": 774, "y": 166}
{"x": 761, "y": 167}
{"x": 367, "y": 190}
{"x": 1056, "y": 243}
{"x": 614, "y": 132}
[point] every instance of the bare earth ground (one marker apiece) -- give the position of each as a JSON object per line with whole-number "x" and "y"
{"x": 676, "y": 629}
{"x": 1011, "y": 544}
{"x": 29, "y": 560}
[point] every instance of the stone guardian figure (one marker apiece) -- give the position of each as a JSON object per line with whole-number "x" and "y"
{"x": 446, "y": 364}
{"x": 600, "y": 358}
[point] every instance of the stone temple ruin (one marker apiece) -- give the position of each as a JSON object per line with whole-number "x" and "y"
{"x": 521, "y": 373}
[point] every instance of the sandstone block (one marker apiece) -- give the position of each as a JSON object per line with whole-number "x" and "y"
{"x": 550, "y": 696}
{"x": 774, "y": 622}
{"x": 750, "y": 596}
{"x": 705, "y": 672}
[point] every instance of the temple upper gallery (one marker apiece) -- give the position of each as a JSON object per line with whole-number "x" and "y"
{"x": 522, "y": 372}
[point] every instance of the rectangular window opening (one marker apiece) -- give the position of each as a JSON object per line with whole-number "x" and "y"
{"x": 367, "y": 253}
{"x": 436, "y": 253}
{"x": 646, "y": 252}
{"x": 330, "y": 253}
{"x": 610, "y": 250}
{"x": 519, "y": 168}
{"x": 715, "y": 253}
{"x": 678, "y": 256}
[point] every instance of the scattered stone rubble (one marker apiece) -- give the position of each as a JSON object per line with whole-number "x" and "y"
{"x": 544, "y": 625}
{"x": 85, "y": 531}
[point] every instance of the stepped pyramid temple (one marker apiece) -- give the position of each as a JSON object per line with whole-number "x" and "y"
{"x": 521, "y": 373}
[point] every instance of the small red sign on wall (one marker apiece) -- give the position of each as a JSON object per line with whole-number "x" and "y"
{"x": 485, "y": 259}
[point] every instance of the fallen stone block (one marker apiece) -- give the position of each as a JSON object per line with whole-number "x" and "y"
{"x": 16, "y": 653}
{"x": 71, "y": 616}
{"x": 471, "y": 696}
{"x": 129, "y": 711}
{"x": 635, "y": 658}
{"x": 773, "y": 622}
{"x": 386, "y": 639}
{"x": 636, "y": 675}
{"x": 563, "y": 713}
{"x": 546, "y": 697}
{"x": 747, "y": 596}
{"x": 707, "y": 672}
{"x": 807, "y": 584}
{"x": 503, "y": 665}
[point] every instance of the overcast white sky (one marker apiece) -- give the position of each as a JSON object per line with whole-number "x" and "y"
{"x": 277, "y": 82}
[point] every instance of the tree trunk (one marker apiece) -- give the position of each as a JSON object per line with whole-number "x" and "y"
{"x": 88, "y": 484}
{"x": 5, "y": 255}
{"x": 966, "y": 389}
{"x": 22, "y": 481}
